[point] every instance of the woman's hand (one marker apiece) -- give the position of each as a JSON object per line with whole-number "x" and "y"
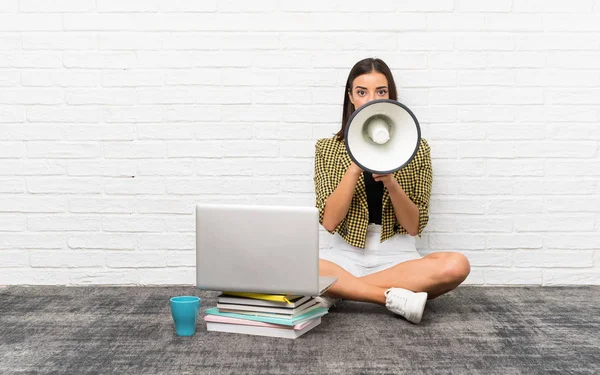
{"x": 387, "y": 179}
{"x": 354, "y": 169}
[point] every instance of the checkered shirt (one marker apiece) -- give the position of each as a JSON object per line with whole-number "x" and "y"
{"x": 332, "y": 162}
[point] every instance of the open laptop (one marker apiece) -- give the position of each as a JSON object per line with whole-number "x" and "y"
{"x": 260, "y": 249}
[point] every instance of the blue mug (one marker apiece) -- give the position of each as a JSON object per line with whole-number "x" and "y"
{"x": 184, "y": 310}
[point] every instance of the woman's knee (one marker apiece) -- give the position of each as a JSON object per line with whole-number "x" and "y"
{"x": 455, "y": 268}
{"x": 458, "y": 267}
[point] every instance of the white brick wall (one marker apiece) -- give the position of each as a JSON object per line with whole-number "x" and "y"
{"x": 117, "y": 116}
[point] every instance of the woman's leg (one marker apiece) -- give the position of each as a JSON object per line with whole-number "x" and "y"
{"x": 436, "y": 274}
{"x": 349, "y": 286}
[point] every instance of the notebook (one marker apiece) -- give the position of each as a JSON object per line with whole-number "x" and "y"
{"x": 256, "y": 300}
{"x": 283, "y": 321}
{"x": 231, "y": 325}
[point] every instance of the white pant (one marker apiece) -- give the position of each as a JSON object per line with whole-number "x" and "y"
{"x": 375, "y": 257}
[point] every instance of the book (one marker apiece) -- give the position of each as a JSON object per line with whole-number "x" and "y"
{"x": 224, "y": 298}
{"x": 266, "y": 297}
{"x": 266, "y": 309}
{"x": 314, "y": 306}
{"x": 288, "y": 332}
{"x": 320, "y": 311}
{"x": 245, "y": 322}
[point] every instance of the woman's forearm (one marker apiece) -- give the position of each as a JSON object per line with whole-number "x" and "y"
{"x": 338, "y": 203}
{"x": 406, "y": 211}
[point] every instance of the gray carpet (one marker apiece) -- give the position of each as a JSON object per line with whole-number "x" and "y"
{"x": 104, "y": 330}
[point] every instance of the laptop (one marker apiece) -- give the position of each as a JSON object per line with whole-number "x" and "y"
{"x": 259, "y": 249}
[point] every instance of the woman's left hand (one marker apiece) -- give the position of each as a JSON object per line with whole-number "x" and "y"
{"x": 387, "y": 179}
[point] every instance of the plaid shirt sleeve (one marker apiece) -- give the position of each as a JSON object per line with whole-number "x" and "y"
{"x": 421, "y": 191}
{"x": 324, "y": 185}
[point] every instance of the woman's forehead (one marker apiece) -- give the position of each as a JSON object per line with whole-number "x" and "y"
{"x": 373, "y": 79}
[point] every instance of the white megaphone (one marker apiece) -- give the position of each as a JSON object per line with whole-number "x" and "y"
{"x": 382, "y": 136}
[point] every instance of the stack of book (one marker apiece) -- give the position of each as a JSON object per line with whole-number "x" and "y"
{"x": 272, "y": 315}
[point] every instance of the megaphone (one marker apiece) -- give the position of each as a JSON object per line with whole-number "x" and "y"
{"x": 382, "y": 136}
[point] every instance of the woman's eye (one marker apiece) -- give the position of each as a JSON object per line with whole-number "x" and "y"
{"x": 382, "y": 92}
{"x": 361, "y": 92}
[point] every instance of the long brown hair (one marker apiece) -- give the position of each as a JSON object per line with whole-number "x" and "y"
{"x": 365, "y": 66}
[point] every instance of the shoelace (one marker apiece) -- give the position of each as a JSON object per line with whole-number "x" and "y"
{"x": 396, "y": 301}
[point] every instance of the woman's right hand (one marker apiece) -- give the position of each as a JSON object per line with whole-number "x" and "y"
{"x": 354, "y": 169}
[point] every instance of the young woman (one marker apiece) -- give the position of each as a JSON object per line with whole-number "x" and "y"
{"x": 374, "y": 218}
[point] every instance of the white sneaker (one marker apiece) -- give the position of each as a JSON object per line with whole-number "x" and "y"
{"x": 326, "y": 302}
{"x": 406, "y": 303}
